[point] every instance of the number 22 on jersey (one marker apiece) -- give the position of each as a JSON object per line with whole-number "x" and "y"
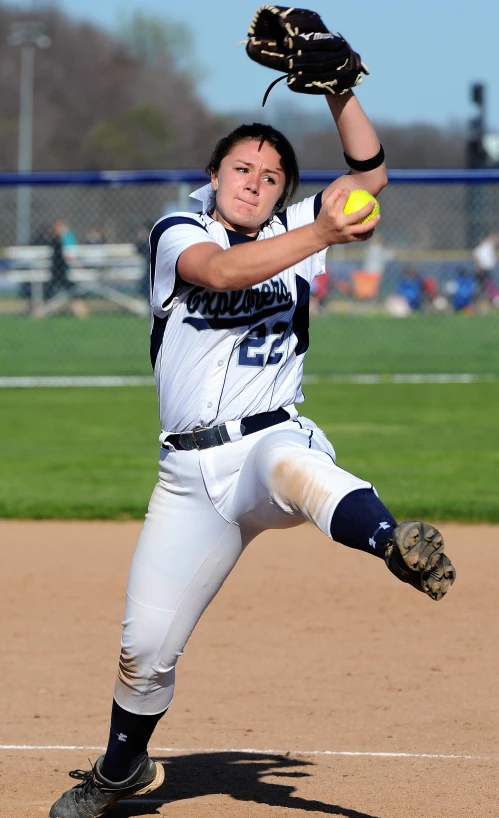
{"x": 257, "y": 340}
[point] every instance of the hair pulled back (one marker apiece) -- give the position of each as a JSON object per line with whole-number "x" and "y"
{"x": 262, "y": 133}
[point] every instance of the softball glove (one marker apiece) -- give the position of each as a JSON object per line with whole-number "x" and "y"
{"x": 296, "y": 42}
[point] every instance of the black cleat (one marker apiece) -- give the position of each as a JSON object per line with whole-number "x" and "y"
{"x": 415, "y": 554}
{"x": 95, "y": 795}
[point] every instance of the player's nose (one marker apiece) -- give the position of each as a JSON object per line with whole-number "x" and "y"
{"x": 253, "y": 183}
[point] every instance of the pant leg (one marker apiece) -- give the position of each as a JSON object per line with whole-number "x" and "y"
{"x": 291, "y": 474}
{"x": 187, "y": 547}
{"x": 184, "y": 553}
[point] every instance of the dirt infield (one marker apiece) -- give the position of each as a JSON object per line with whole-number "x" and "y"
{"x": 315, "y": 684}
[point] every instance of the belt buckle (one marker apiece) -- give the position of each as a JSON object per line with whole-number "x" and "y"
{"x": 190, "y": 441}
{"x": 208, "y": 436}
{"x": 195, "y": 431}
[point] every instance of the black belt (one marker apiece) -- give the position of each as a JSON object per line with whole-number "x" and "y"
{"x": 218, "y": 435}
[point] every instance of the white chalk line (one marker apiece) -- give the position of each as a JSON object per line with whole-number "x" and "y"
{"x": 438, "y": 377}
{"x": 56, "y": 381}
{"x": 31, "y": 382}
{"x": 253, "y": 751}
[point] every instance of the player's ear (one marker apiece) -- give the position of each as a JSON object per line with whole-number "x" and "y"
{"x": 214, "y": 180}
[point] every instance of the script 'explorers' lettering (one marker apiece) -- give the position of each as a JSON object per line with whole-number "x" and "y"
{"x": 239, "y": 302}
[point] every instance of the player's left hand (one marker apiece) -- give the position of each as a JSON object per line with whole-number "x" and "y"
{"x": 297, "y": 42}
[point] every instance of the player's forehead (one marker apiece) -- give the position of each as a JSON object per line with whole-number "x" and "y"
{"x": 258, "y": 153}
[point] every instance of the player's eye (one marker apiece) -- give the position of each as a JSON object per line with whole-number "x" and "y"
{"x": 269, "y": 179}
{"x": 244, "y": 170}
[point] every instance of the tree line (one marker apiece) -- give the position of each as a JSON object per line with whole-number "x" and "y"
{"x": 129, "y": 101}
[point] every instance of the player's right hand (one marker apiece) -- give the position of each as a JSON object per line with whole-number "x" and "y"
{"x": 336, "y": 227}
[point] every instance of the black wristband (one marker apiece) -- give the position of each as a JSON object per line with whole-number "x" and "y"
{"x": 366, "y": 164}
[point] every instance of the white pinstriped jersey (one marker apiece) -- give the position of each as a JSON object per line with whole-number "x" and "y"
{"x": 220, "y": 356}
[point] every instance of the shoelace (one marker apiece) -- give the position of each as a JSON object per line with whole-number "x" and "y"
{"x": 87, "y": 779}
{"x": 83, "y": 775}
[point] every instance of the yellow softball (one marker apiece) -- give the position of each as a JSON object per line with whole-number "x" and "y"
{"x": 359, "y": 199}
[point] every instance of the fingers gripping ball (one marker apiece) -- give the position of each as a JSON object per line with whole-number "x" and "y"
{"x": 359, "y": 199}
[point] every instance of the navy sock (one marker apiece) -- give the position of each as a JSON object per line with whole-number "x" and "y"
{"x": 128, "y": 739}
{"x": 362, "y": 521}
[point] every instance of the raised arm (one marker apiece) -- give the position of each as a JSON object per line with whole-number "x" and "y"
{"x": 360, "y": 143}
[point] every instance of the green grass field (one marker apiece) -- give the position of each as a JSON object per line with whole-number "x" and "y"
{"x": 431, "y": 450}
{"x": 427, "y": 343}
{"x": 117, "y": 344}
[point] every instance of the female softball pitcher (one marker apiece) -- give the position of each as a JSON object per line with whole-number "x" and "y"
{"x": 229, "y": 296}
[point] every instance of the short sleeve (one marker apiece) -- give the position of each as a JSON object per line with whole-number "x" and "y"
{"x": 300, "y": 214}
{"x": 169, "y": 238}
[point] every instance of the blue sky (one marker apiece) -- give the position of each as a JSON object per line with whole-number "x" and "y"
{"x": 422, "y": 56}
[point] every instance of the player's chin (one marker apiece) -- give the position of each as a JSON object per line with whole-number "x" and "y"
{"x": 250, "y": 221}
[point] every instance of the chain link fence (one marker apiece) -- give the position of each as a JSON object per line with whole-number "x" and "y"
{"x": 418, "y": 267}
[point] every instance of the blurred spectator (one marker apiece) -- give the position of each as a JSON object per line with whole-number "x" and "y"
{"x": 376, "y": 255}
{"x": 411, "y": 287}
{"x": 62, "y": 241}
{"x": 484, "y": 259}
{"x": 464, "y": 289}
{"x": 366, "y": 280}
{"x": 319, "y": 291}
{"x": 430, "y": 289}
{"x": 96, "y": 235}
{"x": 337, "y": 285}
{"x": 42, "y": 237}
{"x": 143, "y": 249}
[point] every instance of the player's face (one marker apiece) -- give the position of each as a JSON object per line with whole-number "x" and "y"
{"x": 248, "y": 185}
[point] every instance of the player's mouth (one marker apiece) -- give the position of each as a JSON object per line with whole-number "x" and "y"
{"x": 251, "y": 204}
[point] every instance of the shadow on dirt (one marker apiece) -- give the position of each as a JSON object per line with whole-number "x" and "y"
{"x": 239, "y": 775}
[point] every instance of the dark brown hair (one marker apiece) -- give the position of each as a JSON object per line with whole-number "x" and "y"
{"x": 263, "y": 133}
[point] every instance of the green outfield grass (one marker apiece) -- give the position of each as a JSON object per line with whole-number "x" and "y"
{"x": 426, "y": 343}
{"x": 117, "y": 344}
{"x": 431, "y": 450}
{"x": 114, "y": 344}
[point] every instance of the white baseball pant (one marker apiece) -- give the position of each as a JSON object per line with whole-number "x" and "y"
{"x": 205, "y": 509}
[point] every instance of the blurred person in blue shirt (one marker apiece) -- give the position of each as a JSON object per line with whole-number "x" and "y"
{"x": 411, "y": 287}
{"x": 465, "y": 289}
{"x": 59, "y": 290}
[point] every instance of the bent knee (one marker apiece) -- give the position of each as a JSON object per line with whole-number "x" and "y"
{"x": 145, "y": 654}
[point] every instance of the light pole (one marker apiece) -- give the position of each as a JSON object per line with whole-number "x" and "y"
{"x": 28, "y": 35}
{"x": 476, "y": 158}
